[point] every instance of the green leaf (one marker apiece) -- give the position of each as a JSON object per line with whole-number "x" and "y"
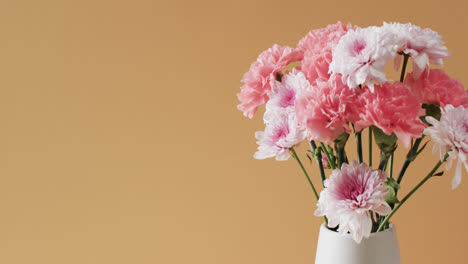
{"x": 439, "y": 174}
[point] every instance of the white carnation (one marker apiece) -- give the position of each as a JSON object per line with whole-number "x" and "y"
{"x": 450, "y": 135}
{"x": 361, "y": 56}
{"x": 282, "y": 132}
{"x": 423, "y": 45}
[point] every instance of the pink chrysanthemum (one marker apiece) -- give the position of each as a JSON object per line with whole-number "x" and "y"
{"x": 438, "y": 88}
{"x": 423, "y": 45}
{"x": 262, "y": 73}
{"x": 325, "y": 109}
{"x": 394, "y": 109}
{"x": 361, "y": 56}
{"x": 350, "y": 197}
{"x": 317, "y": 47}
{"x": 450, "y": 135}
{"x": 282, "y": 132}
{"x": 283, "y": 94}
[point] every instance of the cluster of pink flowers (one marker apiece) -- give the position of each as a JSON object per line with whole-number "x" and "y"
{"x": 338, "y": 86}
{"x": 262, "y": 74}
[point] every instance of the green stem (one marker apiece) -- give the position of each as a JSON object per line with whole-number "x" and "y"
{"x": 370, "y": 147}
{"x": 409, "y": 159}
{"x": 405, "y": 62}
{"x": 313, "y": 147}
{"x": 391, "y": 165}
{"x": 383, "y": 161}
{"x": 340, "y": 152}
{"x": 431, "y": 174}
{"x": 359, "y": 146}
{"x": 332, "y": 155}
{"x": 403, "y": 170}
{"x": 330, "y": 159}
{"x": 294, "y": 154}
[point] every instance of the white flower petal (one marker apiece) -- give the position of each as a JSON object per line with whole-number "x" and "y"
{"x": 282, "y": 132}
{"x": 350, "y": 196}
{"x": 361, "y": 55}
{"x": 458, "y": 175}
{"x": 450, "y": 135}
{"x": 423, "y": 45}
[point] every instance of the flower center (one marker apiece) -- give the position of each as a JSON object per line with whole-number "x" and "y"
{"x": 353, "y": 192}
{"x": 288, "y": 98}
{"x": 358, "y": 46}
{"x": 280, "y": 132}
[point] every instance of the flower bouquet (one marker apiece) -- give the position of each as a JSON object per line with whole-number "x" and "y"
{"x": 332, "y": 86}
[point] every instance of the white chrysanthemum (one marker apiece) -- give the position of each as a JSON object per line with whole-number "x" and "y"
{"x": 282, "y": 132}
{"x": 283, "y": 94}
{"x": 350, "y": 197}
{"x": 361, "y": 56}
{"x": 423, "y": 45}
{"x": 450, "y": 135}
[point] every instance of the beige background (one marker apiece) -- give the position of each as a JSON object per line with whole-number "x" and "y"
{"x": 120, "y": 141}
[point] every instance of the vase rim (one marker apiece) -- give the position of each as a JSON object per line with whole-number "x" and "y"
{"x": 390, "y": 229}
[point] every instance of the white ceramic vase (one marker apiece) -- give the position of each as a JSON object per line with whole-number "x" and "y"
{"x": 379, "y": 248}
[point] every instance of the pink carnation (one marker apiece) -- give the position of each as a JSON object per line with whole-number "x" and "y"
{"x": 282, "y": 132}
{"x": 317, "y": 47}
{"x": 262, "y": 73}
{"x": 325, "y": 109}
{"x": 423, "y": 45}
{"x": 451, "y": 136}
{"x": 438, "y": 88}
{"x": 351, "y": 196}
{"x": 394, "y": 109}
